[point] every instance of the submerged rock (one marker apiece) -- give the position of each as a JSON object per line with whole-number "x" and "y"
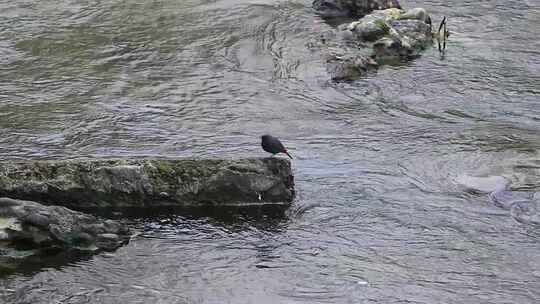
{"x": 527, "y": 212}
{"x": 349, "y": 66}
{"x": 506, "y": 198}
{"x": 351, "y": 8}
{"x": 485, "y": 184}
{"x": 37, "y": 226}
{"x": 149, "y": 182}
{"x": 524, "y": 206}
{"x": 384, "y": 35}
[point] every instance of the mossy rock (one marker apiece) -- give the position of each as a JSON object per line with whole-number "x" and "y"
{"x": 371, "y": 30}
{"x": 150, "y": 182}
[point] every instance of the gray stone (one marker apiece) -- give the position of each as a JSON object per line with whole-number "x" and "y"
{"x": 371, "y": 31}
{"x": 416, "y": 14}
{"x": 483, "y": 184}
{"x": 351, "y": 8}
{"x": 349, "y": 66}
{"x": 149, "y": 182}
{"x": 375, "y": 39}
{"x": 56, "y": 227}
{"x": 107, "y": 239}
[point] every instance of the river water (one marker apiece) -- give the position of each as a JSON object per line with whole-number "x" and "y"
{"x": 378, "y": 217}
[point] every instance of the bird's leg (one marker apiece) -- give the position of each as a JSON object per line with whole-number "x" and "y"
{"x": 442, "y": 26}
{"x": 445, "y": 36}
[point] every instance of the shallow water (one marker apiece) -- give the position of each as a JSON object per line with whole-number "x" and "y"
{"x": 378, "y": 218}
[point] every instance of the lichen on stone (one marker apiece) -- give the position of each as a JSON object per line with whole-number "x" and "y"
{"x": 381, "y": 22}
{"x": 381, "y": 37}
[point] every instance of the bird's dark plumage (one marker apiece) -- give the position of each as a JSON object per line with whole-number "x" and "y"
{"x": 272, "y": 145}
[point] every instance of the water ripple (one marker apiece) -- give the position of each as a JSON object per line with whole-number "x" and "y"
{"x": 379, "y": 217}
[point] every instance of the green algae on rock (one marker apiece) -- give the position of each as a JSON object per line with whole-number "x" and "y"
{"x": 381, "y": 37}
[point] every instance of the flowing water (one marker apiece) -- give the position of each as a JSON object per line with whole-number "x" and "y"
{"x": 378, "y": 217}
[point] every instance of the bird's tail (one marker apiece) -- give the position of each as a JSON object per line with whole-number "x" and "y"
{"x": 286, "y": 152}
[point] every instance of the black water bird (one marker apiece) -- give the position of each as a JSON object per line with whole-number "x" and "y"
{"x": 272, "y": 145}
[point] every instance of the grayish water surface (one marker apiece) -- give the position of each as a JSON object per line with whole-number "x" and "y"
{"x": 378, "y": 217}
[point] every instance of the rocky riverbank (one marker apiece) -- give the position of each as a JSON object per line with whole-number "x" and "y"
{"x": 44, "y": 226}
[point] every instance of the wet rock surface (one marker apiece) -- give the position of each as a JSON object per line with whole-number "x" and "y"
{"x": 384, "y": 36}
{"x": 351, "y": 8}
{"x": 149, "y": 182}
{"x": 486, "y": 184}
{"x": 35, "y": 226}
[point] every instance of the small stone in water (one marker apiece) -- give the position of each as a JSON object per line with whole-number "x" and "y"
{"x": 483, "y": 184}
{"x": 110, "y": 236}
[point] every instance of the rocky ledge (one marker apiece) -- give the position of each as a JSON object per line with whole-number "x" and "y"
{"x": 84, "y": 184}
{"x": 30, "y": 231}
{"x": 385, "y": 33}
{"x": 39, "y": 226}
